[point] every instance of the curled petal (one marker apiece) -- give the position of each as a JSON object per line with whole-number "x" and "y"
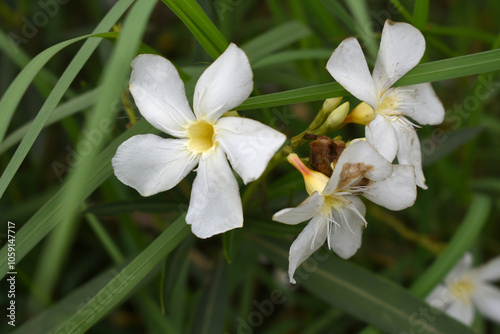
{"x": 215, "y": 205}
{"x": 348, "y": 67}
{"x": 401, "y": 48}
{"x": 397, "y": 192}
{"x": 421, "y": 103}
{"x": 159, "y": 94}
{"x": 306, "y": 210}
{"x": 409, "y": 151}
{"x": 224, "y": 85}
{"x": 345, "y": 238}
{"x": 151, "y": 164}
{"x": 309, "y": 240}
{"x": 249, "y": 145}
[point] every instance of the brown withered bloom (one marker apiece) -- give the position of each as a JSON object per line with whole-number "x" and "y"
{"x": 324, "y": 151}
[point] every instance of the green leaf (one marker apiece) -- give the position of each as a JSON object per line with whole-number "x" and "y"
{"x": 434, "y": 149}
{"x": 369, "y": 297}
{"x": 481, "y": 62}
{"x": 195, "y": 19}
{"x": 66, "y": 109}
{"x": 292, "y": 55}
{"x": 421, "y": 14}
{"x": 275, "y": 39}
{"x": 211, "y": 310}
{"x": 127, "y": 279}
{"x": 46, "y": 218}
{"x": 231, "y": 242}
{"x": 462, "y": 240}
{"x": 363, "y": 27}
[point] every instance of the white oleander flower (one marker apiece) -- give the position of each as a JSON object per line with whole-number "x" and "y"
{"x": 152, "y": 164}
{"x": 336, "y": 213}
{"x": 390, "y": 132}
{"x": 464, "y": 287}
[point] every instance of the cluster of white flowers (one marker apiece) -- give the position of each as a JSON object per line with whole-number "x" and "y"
{"x": 364, "y": 167}
{"x": 204, "y": 136}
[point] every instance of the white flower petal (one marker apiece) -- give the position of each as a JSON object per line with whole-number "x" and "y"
{"x": 380, "y": 133}
{"x": 487, "y": 300}
{"x": 397, "y": 192}
{"x": 461, "y": 311}
{"x": 440, "y": 297}
{"x": 249, "y": 145}
{"x": 224, "y": 85}
{"x": 359, "y": 160}
{"x": 401, "y": 48}
{"x": 159, "y": 94}
{"x": 463, "y": 266}
{"x": 348, "y": 67}
{"x": 345, "y": 239}
{"x": 215, "y": 205}
{"x": 409, "y": 151}
{"x": 421, "y": 103}
{"x": 490, "y": 271}
{"x": 309, "y": 240}
{"x": 306, "y": 210}
{"x": 151, "y": 164}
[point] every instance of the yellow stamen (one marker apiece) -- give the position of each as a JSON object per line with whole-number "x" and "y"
{"x": 463, "y": 289}
{"x": 201, "y": 136}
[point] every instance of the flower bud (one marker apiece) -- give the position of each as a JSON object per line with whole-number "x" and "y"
{"x": 328, "y": 106}
{"x": 335, "y": 120}
{"x": 314, "y": 181}
{"x": 362, "y": 114}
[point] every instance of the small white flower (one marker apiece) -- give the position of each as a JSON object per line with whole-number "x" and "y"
{"x": 465, "y": 287}
{"x": 336, "y": 213}
{"x": 401, "y": 48}
{"x": 152, "y": 164}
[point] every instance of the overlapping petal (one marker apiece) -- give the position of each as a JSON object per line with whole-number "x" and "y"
{"x": 380, "y": 133}
{"x": 359, "y": 160}
{"x": 224, "y": 85}
{"x": 345, "y": 239}
{"x": 311, "y": 238}
{"x": 306, "y": 210}
{"x": 421, "y": 103}
{"x": 401, "y": 48}
{"x": 159, "y": 94}
{"x": 396, "y": 192}
{"x": 409, "y": 151}
{"x": 215, "y": 205}
{"x": 151, "y": 164}
{"x": 249, "y": 145}
{"x": 348, "y": 67}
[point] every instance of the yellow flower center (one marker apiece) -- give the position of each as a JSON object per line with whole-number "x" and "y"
{"x": 462, "y": 289}
{"x": 201, "y": 136}
{"x": 389, "y": 105}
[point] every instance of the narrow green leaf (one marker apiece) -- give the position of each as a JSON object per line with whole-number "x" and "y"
{"x": 275, "y": 39}
{"x": 211, "y": 310}
{"x": 363, "y": 27}
{"x": 362, "y": 294}
{"x": 231, "y": 242}
{"x": 292, "y": 55}
{"x": 421, "y": 14}
{"x": 127, "y": 279}
{"x": 487, "y": 61}
{"x": 47, "y": 218}
{"x": 66, "y": 109}
{"x": 204, "y": 30}
{"x": 461, "y": 242}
